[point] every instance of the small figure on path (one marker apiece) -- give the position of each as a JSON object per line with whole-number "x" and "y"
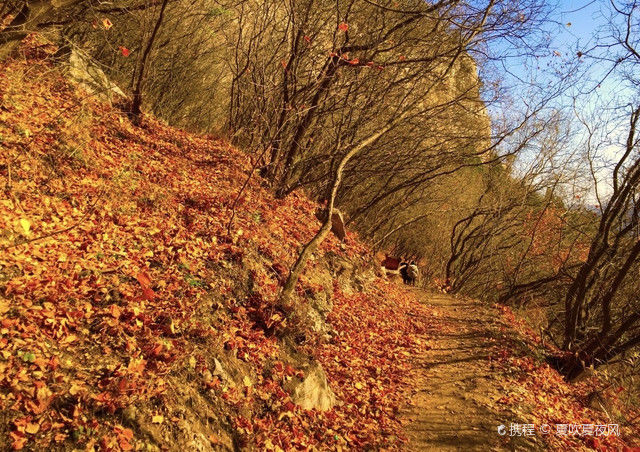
{"x": 409, "y": 273}
{"x": 413, "y": 273}
{"x": 404, "y": 272}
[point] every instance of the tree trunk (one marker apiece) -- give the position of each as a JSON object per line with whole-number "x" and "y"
{"x": 136, "y": 103}
{"x": 311, "y": 247}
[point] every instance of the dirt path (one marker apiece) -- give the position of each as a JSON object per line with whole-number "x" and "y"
{"x": 453, "y": 402}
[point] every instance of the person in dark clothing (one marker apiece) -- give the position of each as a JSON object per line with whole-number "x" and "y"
{"x": 404, "y": 272}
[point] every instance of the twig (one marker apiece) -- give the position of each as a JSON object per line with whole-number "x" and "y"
{"x": 244, "y": 186}
{"x": 59, "y": 231}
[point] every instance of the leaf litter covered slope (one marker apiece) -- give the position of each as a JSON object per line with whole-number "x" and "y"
{"x": 119, "y": 286}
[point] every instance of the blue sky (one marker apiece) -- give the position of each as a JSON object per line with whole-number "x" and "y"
{"x": 575, "y": 25}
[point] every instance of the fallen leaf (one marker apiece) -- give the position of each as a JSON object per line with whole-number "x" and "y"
{"x": 26, "y": 225}
{"x": 157, "y": 419}
{"x": 32, "y": 429}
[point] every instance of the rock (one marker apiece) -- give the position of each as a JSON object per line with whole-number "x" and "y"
{"x": 340, "y": 266}
{"x": 219, "y": 371}
{"x": 130, "y": 414}
{"x": 316, "y": 320}
{"x": 200, "y": 443}
{"x": 337, "y": 222}
{"x": 604, "y": 402}
{"x": 337, "y": 225}
{"x": 321, "y": 301}
{"x": 364, "y": 279}
{"x": 586, "y": 374}
{"x": 313, "y": 392}
{"x": 84, "y": 71}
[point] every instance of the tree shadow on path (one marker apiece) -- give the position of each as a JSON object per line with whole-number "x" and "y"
{"x": 453, "y": 404}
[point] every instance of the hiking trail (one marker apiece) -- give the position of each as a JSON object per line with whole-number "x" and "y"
{"x": 453, "y": 401}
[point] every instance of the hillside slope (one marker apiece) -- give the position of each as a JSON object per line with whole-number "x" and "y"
{"x": 131, "y": 319}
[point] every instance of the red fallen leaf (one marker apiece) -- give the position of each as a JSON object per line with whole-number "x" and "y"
{"x": 41, "y": 363}
{"x": 144, "y": 279}
{"x": 20, "y": 424}
{"x": 106, "y": 23}
{"x": 124, "y": 51}
{"x": 343, "y": 27}
{"x": 354, "y": 61}
{"x": 307, "y": 38}
{"x": 595, "y": 443}
{"x": 59, "y": 437}
{"x": 157, "y": 350}
{"x": 148, "y": 294}
{"x": 19, "y": 440}
{"x": 114, "y": 310}
{"x": 126, "y": 433}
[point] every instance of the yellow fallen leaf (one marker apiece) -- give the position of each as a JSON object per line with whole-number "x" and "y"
{"x": 247, "y": 381}
{"x": 192, "y": 362}
{"x": 75, "y": 389}
{"x": 157, "y": 419}
{"x": 32, "y": 429}
{"x": 359, "y": 385}
{"x": 26, "y": 225}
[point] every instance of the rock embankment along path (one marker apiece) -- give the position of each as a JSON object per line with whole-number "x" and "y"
{"x": 453, "y": 402}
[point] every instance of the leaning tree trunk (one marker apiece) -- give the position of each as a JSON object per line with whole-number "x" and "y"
{"x": 311, "y": 247}
{"x": 136, "y": 103}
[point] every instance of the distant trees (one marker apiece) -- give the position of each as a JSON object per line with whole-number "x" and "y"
{"x": 22, "y": 17}
{"x": 515, "y": 241}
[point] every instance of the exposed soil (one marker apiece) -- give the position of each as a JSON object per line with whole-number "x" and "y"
{"x": 453, "y": 406}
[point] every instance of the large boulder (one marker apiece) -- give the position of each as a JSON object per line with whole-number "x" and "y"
{"x": 313, "y": 391}
{"x": 85, "y": 72}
